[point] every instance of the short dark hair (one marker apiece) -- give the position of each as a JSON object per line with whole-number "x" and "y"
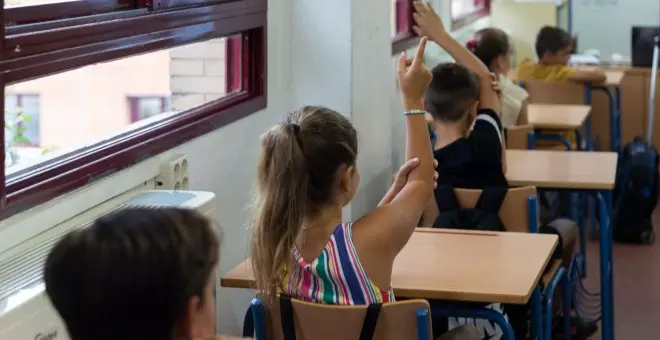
{"x": 489, "y": 44}
{"x": 130, "y": 274}
{"x": 453, "y": 89}
{"x": 552, "y": 40}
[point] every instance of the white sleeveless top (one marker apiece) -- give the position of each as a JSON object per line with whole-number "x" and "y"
{"x": 512, "y": 99}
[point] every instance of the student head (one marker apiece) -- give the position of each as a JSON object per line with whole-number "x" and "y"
{"x": 136, "y": 274}
{"x": 554, "y": 46}
{"x": 493, "y": 47}
{"x": 306, "y": 169}
{"x": 453, "y": 96}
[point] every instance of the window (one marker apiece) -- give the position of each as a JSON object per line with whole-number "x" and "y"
{"x": 402, "y": 23}
{"x": 463, "y": 12}
{"x": 146, "y": 107}
{"x": 99, "y": 98}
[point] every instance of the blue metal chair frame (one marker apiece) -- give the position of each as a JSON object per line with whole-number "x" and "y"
{"x": 257, "y": 312}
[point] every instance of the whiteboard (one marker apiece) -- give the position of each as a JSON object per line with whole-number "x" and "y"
{"x": 605, "y": 24}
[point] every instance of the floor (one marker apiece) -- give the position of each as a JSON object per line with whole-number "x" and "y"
{"x": 636, "y": 287}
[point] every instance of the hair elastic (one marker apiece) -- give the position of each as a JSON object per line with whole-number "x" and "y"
{"x": 472, "y": 44}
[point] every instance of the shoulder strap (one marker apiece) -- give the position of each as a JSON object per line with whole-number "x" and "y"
{"x": 491, "y": 199}
{"x": 370, "y": 321}
{"x": 286, "y": 316}
{"x": 446, "y": 198}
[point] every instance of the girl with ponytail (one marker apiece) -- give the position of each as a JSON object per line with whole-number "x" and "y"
{"x": 307, "y": 174}
{"x": 494, "y": 48}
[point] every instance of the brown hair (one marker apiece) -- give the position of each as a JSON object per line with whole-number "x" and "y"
{"x": 551, "y": 40}
{"x": 297, "y": 174}
{"x": 130, "y": 274}
{"x": 488, "y": 44}
{"x": 451, "y": 92}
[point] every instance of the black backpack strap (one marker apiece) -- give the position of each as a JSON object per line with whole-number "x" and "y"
{"x": 491, "y": 199}
{"x": 446, "y": 198}
{"x": 286, "y": 316}
{"x": 370, "y": 321}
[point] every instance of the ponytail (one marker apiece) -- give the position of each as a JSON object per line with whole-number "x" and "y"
{"x": 281, "y": 205}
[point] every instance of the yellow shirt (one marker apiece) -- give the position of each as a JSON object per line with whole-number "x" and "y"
{"x": 529, "y": 70}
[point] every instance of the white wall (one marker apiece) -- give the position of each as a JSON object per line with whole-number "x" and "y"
{"x": 334, "y": 53}
{"x": 605, "y": 24}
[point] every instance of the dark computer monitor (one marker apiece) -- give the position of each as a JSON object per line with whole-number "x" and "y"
{"x": 643, "y": 38}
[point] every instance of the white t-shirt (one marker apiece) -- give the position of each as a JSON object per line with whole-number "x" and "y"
{"x": 512, "y": 98}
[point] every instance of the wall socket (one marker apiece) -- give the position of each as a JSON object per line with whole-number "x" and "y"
{"x": 174, "y": 174}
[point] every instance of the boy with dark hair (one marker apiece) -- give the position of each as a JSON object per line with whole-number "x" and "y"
{"x": 457, "y": 102}
{"x": 553, "y": 48}
{"x": 464, "y": 103}
{"x": 136, "y": 274}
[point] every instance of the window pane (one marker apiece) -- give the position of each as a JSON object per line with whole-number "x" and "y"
{"x": 95, "y": 103}
{"x": 461, "y": 8}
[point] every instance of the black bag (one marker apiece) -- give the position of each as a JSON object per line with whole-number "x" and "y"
{"x": 636, "y": 193}
{"x": 484, "y": 216}
{"x": 636, "y": 190}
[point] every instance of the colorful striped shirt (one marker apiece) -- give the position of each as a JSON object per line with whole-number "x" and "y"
{"x": 335, "y": 277}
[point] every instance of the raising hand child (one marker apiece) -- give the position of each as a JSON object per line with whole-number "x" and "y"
{"x": 307, "y": 174}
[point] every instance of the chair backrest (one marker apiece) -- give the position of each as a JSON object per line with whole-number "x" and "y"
{"x": 544, "y": 92}
{"x": 514, "y": 213}
{"x": 314, "y": 321}
{"x": 517, "y": 137}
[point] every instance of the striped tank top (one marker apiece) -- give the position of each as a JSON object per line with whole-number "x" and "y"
{"x": 335, "y": 277}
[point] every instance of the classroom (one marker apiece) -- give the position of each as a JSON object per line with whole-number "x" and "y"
{"x": 231, "y": 169}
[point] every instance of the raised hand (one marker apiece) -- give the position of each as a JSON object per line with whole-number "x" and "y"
{"x": 428, "y": 21}
{"x": 414, "y": 77}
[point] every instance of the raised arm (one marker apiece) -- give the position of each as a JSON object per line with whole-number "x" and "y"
{"x": 395, "y": 221}
{"x": 429, "y": 24}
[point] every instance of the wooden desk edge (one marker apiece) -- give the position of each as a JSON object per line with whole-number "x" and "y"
{"x": 562, "y": 185}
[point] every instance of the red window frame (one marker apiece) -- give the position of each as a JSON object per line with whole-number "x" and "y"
{"x": 36, "y": 50}
{"x": 405, "y": 36}
{"x": 482, "y": 9}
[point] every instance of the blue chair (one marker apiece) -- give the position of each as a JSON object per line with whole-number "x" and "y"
{"x": 290, "y": 319}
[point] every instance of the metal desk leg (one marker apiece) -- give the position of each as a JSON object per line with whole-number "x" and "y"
{"x": 537, "y": 313}
{"x": 559, "y": 276}
{"x": 567, "y": 293}
{"x": 587, "y": 122}
{"x": 578, "y": 140}
{"x": 614, "y": 128}
{"x": 606, "y": 279}
{"x": 619, "y": 114}
{"x": 480, "y": 313}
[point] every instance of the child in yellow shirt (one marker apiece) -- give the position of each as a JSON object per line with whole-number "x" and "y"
{"x": 553, "y": 48}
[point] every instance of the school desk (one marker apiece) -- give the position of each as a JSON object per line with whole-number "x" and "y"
{"x": 557, "y": 116}
{"x": 459, "y": 265}
{"x": 592, "y": 173}
{"x": 560, "y": 117}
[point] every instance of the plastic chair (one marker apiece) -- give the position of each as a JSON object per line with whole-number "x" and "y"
{"x": 410, "y": 319}
{"x": 518, "y": 213}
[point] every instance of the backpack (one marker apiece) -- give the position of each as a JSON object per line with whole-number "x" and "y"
{"x": 484, "y": 216}
{"x": 636, "y": 193}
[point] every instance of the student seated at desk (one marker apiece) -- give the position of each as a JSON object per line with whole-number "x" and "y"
{"x": 494, "y": 48}
{"x": 553, "y": 48}
{"x": 306, "y": 175}
{"x": 137, "y": 274}
{"x": 461, "y": 95}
